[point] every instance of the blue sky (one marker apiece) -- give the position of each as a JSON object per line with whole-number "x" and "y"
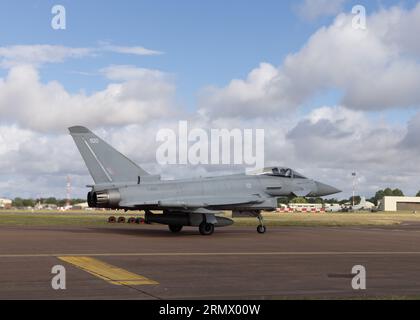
{"x": 204, "y": 42}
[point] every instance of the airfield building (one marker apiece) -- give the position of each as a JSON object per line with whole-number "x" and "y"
{"x": 399, "y": 203}
{"x": 5, "y": 203}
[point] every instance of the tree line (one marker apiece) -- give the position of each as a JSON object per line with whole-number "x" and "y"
{"x": 20, "y": 202}
{"x": 375, "y": 199}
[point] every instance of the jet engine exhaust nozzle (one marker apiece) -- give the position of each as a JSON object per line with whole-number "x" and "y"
{"x": 104, "y": 199}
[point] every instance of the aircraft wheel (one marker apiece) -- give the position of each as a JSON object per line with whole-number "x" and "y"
{"x": 206, "y": 229}
{"x": 112, "y": 219}
{"x": 121, "y": 220}
{"x": 175, "y": 228}
{"x": 261, "y": 229}
{"x": 139, "y": 220}
{"x": 131, "y": 220}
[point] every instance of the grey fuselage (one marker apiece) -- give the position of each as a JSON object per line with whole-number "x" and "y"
{"x": 233, "y": 192}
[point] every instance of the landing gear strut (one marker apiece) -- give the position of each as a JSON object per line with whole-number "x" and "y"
{"x": 261, "y": 228}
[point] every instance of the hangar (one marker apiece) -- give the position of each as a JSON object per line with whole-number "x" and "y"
{"x": 389, "y": 203}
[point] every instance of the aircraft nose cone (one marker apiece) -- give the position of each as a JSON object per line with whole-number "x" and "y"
{"x": 324, "y": 189}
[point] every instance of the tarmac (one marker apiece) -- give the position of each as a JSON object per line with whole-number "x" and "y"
{"x": 149, "y": 262}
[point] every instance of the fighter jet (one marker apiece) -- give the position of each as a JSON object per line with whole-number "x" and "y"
{"x": 122, "y": 184}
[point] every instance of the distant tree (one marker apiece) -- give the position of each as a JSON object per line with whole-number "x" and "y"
{"x": 28, "y": 202}
{"x": 388, "y": 192}
{"x": 17, "y": 202}
{"x": 61, "y": 202}
{"x": 356, "y": 199}
{"x": 77, "y": 201}
{"x": 373, "y": 200}
{"x": 299, "y": 200}
{"x": 282, "y": 200}
{"x": 379, "y": 195}
{"x": 397, "y": 193}
{"x": 51, "y": 201}
{"x": 418, "y": 194}
{"x": 332, "y": 200}
{"x": 315, "y": 200}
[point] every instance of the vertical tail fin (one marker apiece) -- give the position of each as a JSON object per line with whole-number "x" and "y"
{"x": 105, "y": 164}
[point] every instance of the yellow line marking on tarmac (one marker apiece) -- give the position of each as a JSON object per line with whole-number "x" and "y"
{"x": 180, "y": 254}
{"x": 107, "y": 272}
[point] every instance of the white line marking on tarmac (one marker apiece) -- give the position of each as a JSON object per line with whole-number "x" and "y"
{"x": 175, "y": 254}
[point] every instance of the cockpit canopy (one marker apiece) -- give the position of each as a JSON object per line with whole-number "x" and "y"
{"x": 281, "y": 172}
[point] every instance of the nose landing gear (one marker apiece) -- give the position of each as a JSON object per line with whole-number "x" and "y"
{"x": 261, "y": 228}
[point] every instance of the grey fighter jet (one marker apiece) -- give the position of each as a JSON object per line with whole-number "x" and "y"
{"x": 122, "y": 184}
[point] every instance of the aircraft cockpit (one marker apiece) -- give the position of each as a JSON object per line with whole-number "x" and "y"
{"x": 282, "y": 172}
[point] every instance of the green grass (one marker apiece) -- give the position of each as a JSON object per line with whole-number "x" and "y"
{"x": 333, "y": 219}
{"x": 49, "y": 220}
{"x": 98, "y": 218}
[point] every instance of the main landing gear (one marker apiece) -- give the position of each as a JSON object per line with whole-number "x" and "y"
{"x": 261, "y": 228}
{"x": 206, "y": 229}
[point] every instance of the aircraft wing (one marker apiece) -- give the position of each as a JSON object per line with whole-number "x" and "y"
{"x": 194, "y": 202}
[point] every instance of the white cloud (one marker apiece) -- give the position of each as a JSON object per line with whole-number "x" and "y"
{"x": 362, "y": 64}
{"x": 328, "y": 144}
{"x": 127, "y": 72}
{"x": 314, "y": 9}
{"x": 46, "y": 107}
{"x": 260, "y": 93}
{"x": 39, "y": 54}
{"x": 136, "y": 50}
{"x": 332, "y": 142}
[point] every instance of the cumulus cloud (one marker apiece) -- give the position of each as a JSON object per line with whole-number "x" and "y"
{"x": 332, "y": 142}
{"x": 262, "y": 92}
{"x": 314, "y": 9}
{"x": 411, "y": 140}
{"x": 127, "y": 73}
{"x": 46, "y": 107}
{"x": 327, "y": 144}
{"x": 339, "y": 137}
{"x": 362, "y": 64}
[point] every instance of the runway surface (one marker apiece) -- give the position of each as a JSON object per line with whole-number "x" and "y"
{"x": 148, "y": 262}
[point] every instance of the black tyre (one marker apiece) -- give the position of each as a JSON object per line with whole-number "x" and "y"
{"x": 206, "y": 229}
{"x": 175, "y": 228}
{"x": 121, "y": 220}
{"x": 139, "y": 220}
{"x": 112, "y": 219}
{"x": 131, "y": 220}
{"x": 261, "y": 229}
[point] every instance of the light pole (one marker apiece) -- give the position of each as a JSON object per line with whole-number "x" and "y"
{"x": 354, "y": 186}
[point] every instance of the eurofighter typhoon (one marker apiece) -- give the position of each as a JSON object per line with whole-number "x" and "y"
{"x": 122, "y": 184}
